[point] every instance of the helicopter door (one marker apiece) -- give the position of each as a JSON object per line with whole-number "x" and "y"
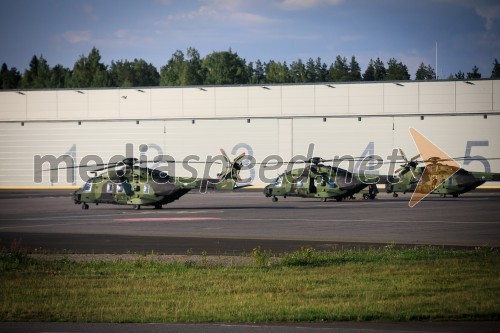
{"x": 120, "y": 193}
{"x": 312, "y": 185}
{"x": 107, "y": 193}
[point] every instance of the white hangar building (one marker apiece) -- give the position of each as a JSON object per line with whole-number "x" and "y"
{"x": 357, "y": 119}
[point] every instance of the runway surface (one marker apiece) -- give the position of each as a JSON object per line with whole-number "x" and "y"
{"x": 237, "y": 222}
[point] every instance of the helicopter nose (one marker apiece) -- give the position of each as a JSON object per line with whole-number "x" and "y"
{"x": 76, "y": 197}
{"x": 268, "y": 190}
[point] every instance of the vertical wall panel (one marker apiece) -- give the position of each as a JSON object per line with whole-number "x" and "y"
{"x": 167, "y": 103}
{"x": 135, "y": 103}
{"x": 72, "y": 104}
{"x": 332, "y": 99}
{"x": 436, "y": 97}
{"x": 264, "y": 101}
{"x": 496, "y": 96}
{"x": 474, "y": 97}
{"x": 231, "y": 102}
{"x": 366, "y": 98}
{"x": 199, "y": 102}
{"x": 42, "y": 105}
{"x": 13, "y": 105}
{"x": 103, "y": 104}
{"x": 298, "y": 100}
{"x": 400, "y": 98}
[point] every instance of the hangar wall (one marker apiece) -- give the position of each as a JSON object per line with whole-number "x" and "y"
{"x": 357, "y": 119}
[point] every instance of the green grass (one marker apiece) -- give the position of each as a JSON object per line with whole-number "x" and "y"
{"x": 307, "y": 285}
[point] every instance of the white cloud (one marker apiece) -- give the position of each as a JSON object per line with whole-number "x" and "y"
{"x": 490, "y": 14}
{"x": 249, "y": 18}
{"x": 486, "y": 9}
{"x": 202, "y": 12}
{"x": 76, "y": 37}
{"x": 228, "y": 5}
{"x": 303, "y": 4}
{"x": 220, "y": 11}
{"x": 121, "y": 33}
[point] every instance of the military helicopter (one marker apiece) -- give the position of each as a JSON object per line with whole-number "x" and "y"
{"x": 437, "y": 180}
{"x": 127, "y": 182}
{"x": 317, "y": 180}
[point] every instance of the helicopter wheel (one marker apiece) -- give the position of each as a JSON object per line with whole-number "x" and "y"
{"x": 137, "y": 207}
{"x": 455, "y": 195}
{"x": 274, "y": 199}
{"x": 339, "y": 199}
{"x": 157, "y": 206}
{"x": 365, "y": 196}
{"x": 85, "y": 206}
{"x": 324, "y": 199}
{"x": 395, "y": 195}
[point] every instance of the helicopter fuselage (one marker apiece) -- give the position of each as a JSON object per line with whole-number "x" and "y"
{"x": 319, "y": 181}
{"x": 140, "y": 186}
{"x": 461, "y": 181}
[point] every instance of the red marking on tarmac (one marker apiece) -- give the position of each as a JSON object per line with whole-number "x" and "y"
{"x": 159, "y": 219}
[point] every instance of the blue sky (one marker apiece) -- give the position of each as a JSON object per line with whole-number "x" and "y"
{"x": 467, "y": 32}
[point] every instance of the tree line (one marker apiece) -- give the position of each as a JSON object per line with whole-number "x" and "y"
{"x": 216, "y": 68}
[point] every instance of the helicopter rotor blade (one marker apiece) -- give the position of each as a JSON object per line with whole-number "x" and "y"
{"x": 78, "y": 166}
{"x": 397, "y": 171}
{"x": 403, "y": 155}
{"x": 226, "y": 157}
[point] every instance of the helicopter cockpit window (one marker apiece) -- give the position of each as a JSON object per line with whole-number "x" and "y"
{"x": 278, "y": 181}
{"x": 109, "y": 187}
{"x": 146, "y": 188}
{"x": 119, "y": 188}
{"x": 87, "y": 187}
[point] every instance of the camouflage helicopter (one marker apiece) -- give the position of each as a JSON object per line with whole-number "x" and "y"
{"x": 437, "y": 180}
{"x": 317, "y": 180}
{"x": 127, "y": 182}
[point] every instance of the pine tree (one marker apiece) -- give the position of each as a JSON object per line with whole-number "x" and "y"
{"x": 339, "y": 70}
{"x": 495, "y": 73}
{"x": 396, "y": 70}
{"x": 474, "y": 74}
{"x": 425, "y": 72}
{"x": 9, "y": 78}
{"x": 354, "y": 70}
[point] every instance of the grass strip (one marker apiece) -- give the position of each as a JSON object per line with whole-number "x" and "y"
{"x": 307, "y": 285}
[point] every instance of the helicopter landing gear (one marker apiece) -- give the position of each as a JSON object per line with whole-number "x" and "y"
{"x": 339, "y": 199}
{"x": 85, "y": 206}
{"x": 137, "y": 207}
{"x": 324, "y": 199}
{"x": 274, "y": 199}
{"x": 395, "y": 195}
{"x": 157, "y": 206}
{"x": 455, "y": 195}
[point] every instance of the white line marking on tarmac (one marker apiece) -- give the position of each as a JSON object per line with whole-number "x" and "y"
{"x": 161, "y": 219}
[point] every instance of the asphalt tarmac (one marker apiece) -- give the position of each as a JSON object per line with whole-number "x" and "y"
{"x": 237, "y": 222}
